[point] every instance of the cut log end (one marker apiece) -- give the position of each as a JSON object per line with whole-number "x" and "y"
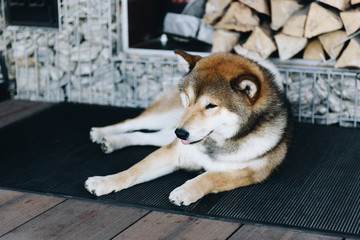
{"x": 260, "y": 6}
{"x": 288, "y": 46}
{"x": 314, "y": 51}
{"x": 351, "y": 20}
{"x": 224, "y": 41}
{"x": 260, "y": 42}
{"x": 281, "y": 11}
{"x": 295, "y": 26}
{"x": 339, "y": 4}
{"x": 350, "y": 56}
{"x": 321, "y": 20}
{"x": 329, "y": 40}
{"x": 214, "y": 9}
{"x": 246, "y": 52}
{"x": 238, "y": 17}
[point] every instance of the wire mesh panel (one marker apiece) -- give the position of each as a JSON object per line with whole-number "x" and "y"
{"x": 140, "y": 80}
{"x": 87, "y": 28}
{"x": 322, "y": 95}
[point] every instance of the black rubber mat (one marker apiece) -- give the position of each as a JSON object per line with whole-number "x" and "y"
{"x": 316, "y": 189}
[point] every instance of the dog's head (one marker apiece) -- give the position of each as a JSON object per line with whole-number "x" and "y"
{"x": 220, "y": 94}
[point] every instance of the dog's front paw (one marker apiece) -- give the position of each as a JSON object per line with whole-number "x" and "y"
{"x": 100, "y": 185}
{"x": 184, "y": 195}
{"x": 106, "y": 146}
{"x": 96, "y": 135}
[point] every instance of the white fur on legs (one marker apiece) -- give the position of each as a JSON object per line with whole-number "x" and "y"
{"x": 160, "y": 162}
{"x": 97, "y": 134}
{"x": 118, "y": 141}
{"x": 166, "y": 120}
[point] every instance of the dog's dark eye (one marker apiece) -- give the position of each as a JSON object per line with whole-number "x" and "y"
{"x": 210, "y": 105}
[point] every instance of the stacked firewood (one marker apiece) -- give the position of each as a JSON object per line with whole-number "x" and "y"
{"x": 312, "y": 30}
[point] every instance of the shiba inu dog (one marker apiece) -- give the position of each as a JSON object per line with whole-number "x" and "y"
{"x": 230, "y": 119}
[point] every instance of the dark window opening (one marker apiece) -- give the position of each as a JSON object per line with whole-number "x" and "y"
{"x": 37, "y": 13}
{"x": 146, "y": 21}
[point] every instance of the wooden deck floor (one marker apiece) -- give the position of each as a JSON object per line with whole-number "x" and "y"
{"x": 32, "y": 216}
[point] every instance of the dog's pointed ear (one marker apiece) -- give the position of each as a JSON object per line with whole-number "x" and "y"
{"x": 188, "y": 61}
{"x": 247, "y": 84}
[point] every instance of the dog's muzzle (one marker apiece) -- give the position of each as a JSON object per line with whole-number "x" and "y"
{"x": 183, "y": 135}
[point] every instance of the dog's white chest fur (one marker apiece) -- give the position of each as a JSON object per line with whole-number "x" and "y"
{"x": 196, "y": 157}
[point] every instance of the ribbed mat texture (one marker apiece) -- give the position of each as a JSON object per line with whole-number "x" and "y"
{"x": 316, "y": 189}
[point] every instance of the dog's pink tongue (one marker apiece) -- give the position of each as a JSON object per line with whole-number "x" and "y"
{"x": 185, "y": 142}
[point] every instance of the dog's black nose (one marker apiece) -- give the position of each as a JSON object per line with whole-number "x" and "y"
{"x": 182, "y": 133}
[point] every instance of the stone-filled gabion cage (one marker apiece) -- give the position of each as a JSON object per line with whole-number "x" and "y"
{"x": 65, "y": 63}
{"x": 82, "y": 62}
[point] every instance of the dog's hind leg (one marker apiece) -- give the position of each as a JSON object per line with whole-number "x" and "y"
{"x": 164, "y": 113}
{"x": 161, "y": 162}
{"x": 160, "y": 138}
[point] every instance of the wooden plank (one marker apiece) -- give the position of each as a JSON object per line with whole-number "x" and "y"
{"x": 6, "y": 196}
{"x": 17, "y": 208}
{"x": 249, "y": 232}
{"x": 14, "y": 110}
{"x": 202, "y": 229}
{"x": 9, "y": 106}
{"x": 104, "y": 225}
{"x": 75, "y": 219}
{"x": 158, "y": 225}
